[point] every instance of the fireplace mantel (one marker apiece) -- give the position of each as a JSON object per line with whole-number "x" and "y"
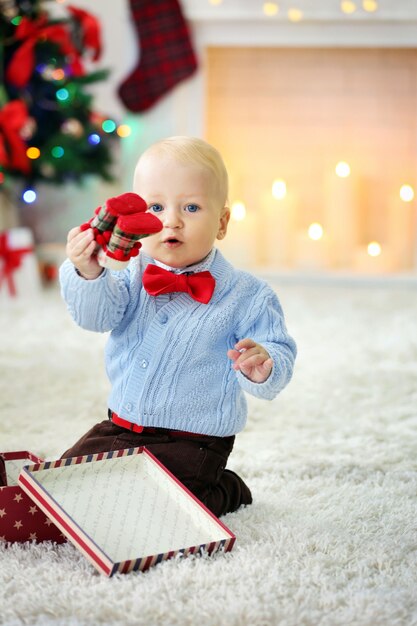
{"x": 242, "y": 22}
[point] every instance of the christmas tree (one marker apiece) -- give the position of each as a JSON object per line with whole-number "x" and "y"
{"x": 48, "y": 128}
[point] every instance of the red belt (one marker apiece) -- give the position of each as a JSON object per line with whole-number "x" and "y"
{"x": 119, "y": 421}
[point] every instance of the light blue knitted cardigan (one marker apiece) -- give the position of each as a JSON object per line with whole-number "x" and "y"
{"x": 166, "y": 359}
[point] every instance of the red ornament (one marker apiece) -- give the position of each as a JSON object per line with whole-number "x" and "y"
{"x": 97, "y": 119}
{"x": 13, "y": 118}
{"x": 30, "y": 32}
{"x": 12, "y": 259}
{"x": 91, "y": 30}
{"x": 50, "y": 272}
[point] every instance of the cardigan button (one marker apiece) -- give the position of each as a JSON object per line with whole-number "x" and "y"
{"x": 164, "y": 318}
{"x": 144, "y": 364}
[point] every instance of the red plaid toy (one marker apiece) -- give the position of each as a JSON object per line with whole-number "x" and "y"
{"x": 118, "y": 227}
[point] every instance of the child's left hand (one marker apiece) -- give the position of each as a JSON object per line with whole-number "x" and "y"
{"x": 251, "y": 359}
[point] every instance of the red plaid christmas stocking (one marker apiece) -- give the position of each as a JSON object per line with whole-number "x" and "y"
{"x": 166, "y": 53}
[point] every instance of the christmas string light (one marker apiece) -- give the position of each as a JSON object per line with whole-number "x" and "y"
{"x": 58, "y": 74}
{"x": 62, "y": 94}
{"x": 57, "y": 152}
{"x": 94, "y": 139}
{"x": 348, "y": 7}
{"x": 33, "y": 152}
{"x": 270, "y": 8}
{"x": 370, "y": 5}
{"x": 108, "y": 126}
{"x": 124, "y": 130}
{"x": 295, "y": 15}
{"x": 29, "y": 196}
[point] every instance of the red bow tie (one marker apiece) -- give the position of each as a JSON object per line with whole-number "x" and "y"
{"x": 199, "y": 286}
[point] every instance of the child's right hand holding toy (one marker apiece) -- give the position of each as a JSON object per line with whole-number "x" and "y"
{"x": 112, "y": 236}
{"x": 81, "y": 251}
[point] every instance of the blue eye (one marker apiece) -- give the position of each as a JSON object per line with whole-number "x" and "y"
{"x": 192, "y": 208}
{"x": 156, "y": 208}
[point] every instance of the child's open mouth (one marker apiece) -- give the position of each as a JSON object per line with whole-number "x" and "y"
{"x": 172, "y": 242}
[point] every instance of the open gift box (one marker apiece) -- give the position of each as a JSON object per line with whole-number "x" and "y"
{"x": 123, "y": 510}
{"x": 20, "y": 518}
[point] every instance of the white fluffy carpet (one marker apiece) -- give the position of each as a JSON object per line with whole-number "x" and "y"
{"x": 331, "y": 538}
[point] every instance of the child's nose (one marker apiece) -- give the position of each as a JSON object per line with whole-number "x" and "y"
{"x": 171, "y": 218}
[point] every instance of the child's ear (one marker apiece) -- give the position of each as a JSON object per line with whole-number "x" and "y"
{"x": 224, "y": 220}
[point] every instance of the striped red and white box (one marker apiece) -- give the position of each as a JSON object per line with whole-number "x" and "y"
{"x": 124, "y": 510}
{"x": 20, "y": 518}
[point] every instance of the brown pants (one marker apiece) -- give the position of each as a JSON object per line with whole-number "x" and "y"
{"x": 198, "y": 462}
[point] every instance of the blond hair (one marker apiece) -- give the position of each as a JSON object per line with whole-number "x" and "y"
{"x": 192, "y": 150}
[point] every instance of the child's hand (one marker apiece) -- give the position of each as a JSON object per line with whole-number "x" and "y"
{"x": 80, "y": 251}
{"x": 251, "y": 359}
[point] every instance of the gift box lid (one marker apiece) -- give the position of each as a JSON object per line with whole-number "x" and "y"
{"x": 123, "y": 510}
{"x": 20, "y": 519}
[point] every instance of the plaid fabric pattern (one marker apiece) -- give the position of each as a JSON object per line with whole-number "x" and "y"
{"x": 122, "y": 240}
{"x": 166, "y": 53}
{"x": 103, "y": 220}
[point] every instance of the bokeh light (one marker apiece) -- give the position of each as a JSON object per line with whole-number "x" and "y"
{"x": 29, "y": 196}
{"x": 94, "y": 139}
{"x": 124, "y": 130}
{"x": 315, "y": 231}
{"x": 62, "y": 94}
{"x": 270, "y": 8}
{"x": 238, "y": 211}
{"x": 370, "y": 5}
{"x": 108, "y": 126}
{"x": 279, "y": 189}
{"x": 348, "y": 7}
{"x": 407, "y": 193}
{"x": 343, "y": 169}
{"x": 57, "y": 152}
{"x": 33, "y": 153}
{"x": 374, "y": 248}
{"x": 295, "y": 15}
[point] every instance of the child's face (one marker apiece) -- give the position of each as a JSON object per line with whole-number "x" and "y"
{"x": 184, "y": 198}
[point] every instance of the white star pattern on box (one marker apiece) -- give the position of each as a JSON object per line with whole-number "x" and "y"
{"x": 20, "y": 518}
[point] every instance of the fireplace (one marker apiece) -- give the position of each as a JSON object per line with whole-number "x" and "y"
{"x": 288, "y": 99}
{"x": 321, "y": 147}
